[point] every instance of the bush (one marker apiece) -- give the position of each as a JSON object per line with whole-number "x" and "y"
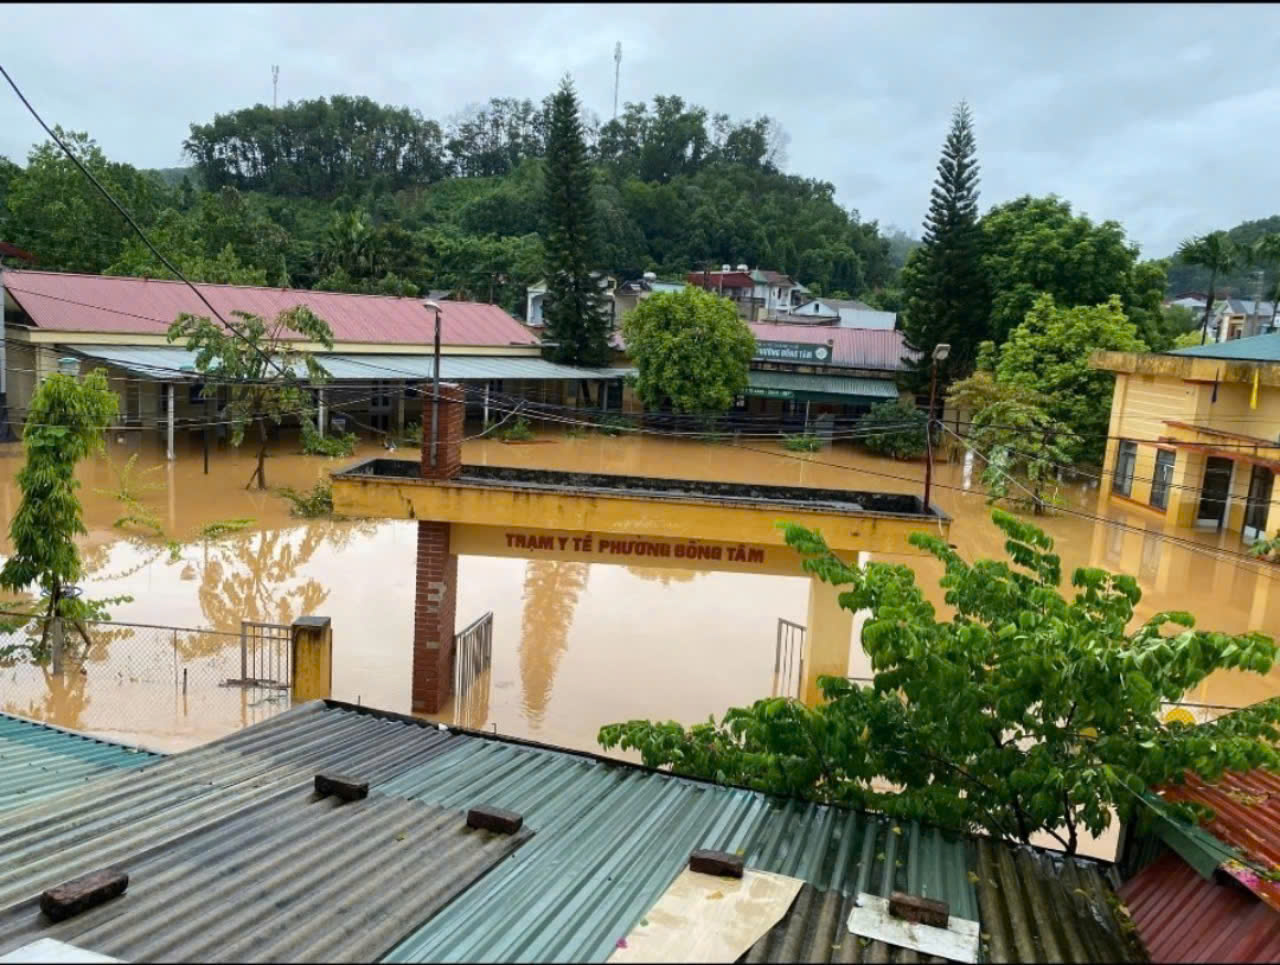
{"x": 894, "y": 429}
{"x": 318, "y": 501}
{"x": 807, "y": 442}
{"x": 519, "y": 431}
{"x": 314, "y": 444}
{"x": 613, "y": 425}
{"x": 410, "y": 437}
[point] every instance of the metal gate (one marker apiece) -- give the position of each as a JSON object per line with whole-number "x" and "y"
{"x": 266, "y": 655}
{"x": 788, "y": 660}
{"x": 472, "y": 654}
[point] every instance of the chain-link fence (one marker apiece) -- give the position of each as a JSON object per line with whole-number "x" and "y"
{"x": 159, "y": 686}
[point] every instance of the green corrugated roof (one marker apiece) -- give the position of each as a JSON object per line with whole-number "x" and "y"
{"x": 38, "y": 761}
{"x": 1256, "y": 348}
{"x": 609, "y": 840}
{"x": 803, "y": 384}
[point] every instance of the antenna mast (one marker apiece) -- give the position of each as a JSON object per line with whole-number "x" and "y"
{"x": 617, "y": 70}
{"x": 275, "y": 82}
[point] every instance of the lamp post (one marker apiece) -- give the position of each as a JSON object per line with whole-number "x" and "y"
{"x": 435, "y": 383}
{"x": 940, "y": 353}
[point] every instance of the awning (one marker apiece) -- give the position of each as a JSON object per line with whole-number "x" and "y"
{"x": 166, "y": 364}
{"x": 455, "y": 368}
{"x": 811, "y": 387}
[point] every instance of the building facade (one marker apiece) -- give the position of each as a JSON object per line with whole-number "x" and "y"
{"x": 1195, "y": 434}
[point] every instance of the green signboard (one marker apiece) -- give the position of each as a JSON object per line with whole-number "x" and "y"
{"x": 764, "y": 393}
{"x": 811, "y": 352}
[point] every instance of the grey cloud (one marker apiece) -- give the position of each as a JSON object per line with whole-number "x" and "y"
{"x": 1154, "y": 115}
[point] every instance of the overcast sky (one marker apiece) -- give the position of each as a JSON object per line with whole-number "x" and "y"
{"x": 1161, "y": 117}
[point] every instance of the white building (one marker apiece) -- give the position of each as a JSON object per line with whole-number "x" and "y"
{"x": 846, "y": 313}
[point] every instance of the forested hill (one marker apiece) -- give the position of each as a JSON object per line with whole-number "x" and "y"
{"x": 1242, "y": 282}
{"x": 347, "y": 194}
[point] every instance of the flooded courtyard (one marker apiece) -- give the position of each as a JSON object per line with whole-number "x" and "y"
{"x": 575, "y": 645}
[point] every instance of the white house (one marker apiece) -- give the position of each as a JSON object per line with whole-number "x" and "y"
{"x": 846, "y": 313}
{"x": 536, "y": 292}
{"x": 760, "y": 294}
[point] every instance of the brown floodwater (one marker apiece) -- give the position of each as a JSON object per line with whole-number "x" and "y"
{"x": 575, "y": 645}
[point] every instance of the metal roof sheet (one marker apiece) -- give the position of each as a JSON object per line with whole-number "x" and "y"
{"x": 127, "y": 812}
{"x": 153, "y": 361}
{"x": 821, "y": 384}
{"x": 38, "y": 761}
{"x": 101, "y": 303}
{"x": 291, "y": 877}
{"x": 1256, "y": 348}
{"x": 453, "y": 367}
{"x": 864, "y": 348}
{"x": 1185, "y": 917}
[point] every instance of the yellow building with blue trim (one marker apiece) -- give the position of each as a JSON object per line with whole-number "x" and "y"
{"x": 1195, "y": 434}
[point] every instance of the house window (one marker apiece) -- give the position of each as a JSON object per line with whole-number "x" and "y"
{"x": 1125, "y": 460}
{"x": 1162, "y": 479}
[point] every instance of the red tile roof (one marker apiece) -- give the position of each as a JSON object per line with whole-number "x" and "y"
{"x": 1183, "y": 917}
{"x": 100, "y": 303}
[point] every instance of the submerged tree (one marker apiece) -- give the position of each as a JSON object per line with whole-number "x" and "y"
{"x": 259, "y": 365}
{"x": 577, "y": 325}
{"x": 64, "y": 424}
{"x": 691, "y": 349}
{"x": 1025, "y": 713}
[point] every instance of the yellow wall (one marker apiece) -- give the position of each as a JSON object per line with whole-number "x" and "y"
{"x": 1143, "y": 404}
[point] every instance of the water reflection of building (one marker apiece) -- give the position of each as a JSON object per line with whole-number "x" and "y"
{"x": 551, "y": 592}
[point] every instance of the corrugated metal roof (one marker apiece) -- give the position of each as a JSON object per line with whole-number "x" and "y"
{"x": 289, "y": 877}
{"x": 823, "y": 384}
{"x": 38, "y": 761}
{"x": 1246, "y": 816}
{"x": 1256, "y": 348}
{"x": 101, "y": 303}
{"x": 153, "y": 361}
{"x": 863, "y": 348}
{"x": 456, "y": 367}
{"x": 128, "y": 812}
{"x": 1184, "y": 917}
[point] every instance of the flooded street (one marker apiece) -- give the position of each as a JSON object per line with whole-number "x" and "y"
{"x": 575, "y": 645}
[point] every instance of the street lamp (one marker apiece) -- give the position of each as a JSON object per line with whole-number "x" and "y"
{"x": 940, "y": 353}
{"x": 435, "y": 382}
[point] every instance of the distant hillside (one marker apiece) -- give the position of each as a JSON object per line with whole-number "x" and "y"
{"x": 1183, "y": 278}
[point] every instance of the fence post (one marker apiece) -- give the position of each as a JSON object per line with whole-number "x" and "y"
{"x": 312, "y": 641}
{"x": 56, "y": 641}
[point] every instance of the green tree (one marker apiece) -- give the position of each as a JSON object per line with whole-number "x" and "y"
{"x": 689, "y": 348}
{"x": 944, "y": 284}
{"x": 65, "y": 423}
{"x": 260, "y": 366}
{"x": 1265, "y": 252}
{"x": 55, "y": 213}
{"x": 1036, "y": 245}
{"x": 1024, "y": 713}
{"x": 1048, "y": 353}
{"x": 577, "y": 324}
{"x": 895, "y": 429}
{"x": 1023, "y": 450}
{"x": 1215, "y": 252}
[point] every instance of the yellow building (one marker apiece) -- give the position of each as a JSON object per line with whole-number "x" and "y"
{"x": 1195, "y": 434}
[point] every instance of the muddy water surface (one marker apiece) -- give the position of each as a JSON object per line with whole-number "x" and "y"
{"x": 576, "y": 645}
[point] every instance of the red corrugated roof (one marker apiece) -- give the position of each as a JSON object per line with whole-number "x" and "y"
{"x": 718, "y": 279}
{"x": 1247, "y": 816}
{"x": 100, "y": 303}
{"x": 1183, "y": 917}
{"x": 866, "y": 348}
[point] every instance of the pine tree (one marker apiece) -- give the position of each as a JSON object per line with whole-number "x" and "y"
{"x": 944, "y": 283}
{"x": 576, "y": 320}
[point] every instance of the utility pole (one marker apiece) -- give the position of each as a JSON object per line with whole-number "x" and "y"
{"x": 275, "y": 83}
{"x": 617, "y": 72}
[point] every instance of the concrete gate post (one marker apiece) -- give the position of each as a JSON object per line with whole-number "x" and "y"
{"x": 827, "y": 638}
{"x": 436, "y": 585}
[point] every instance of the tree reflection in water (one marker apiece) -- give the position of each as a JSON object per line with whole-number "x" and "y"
{"x": 551, "y": 592}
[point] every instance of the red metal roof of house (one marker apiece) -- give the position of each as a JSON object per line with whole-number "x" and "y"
{"x": 1184, "y": 917}
{"x": 101, "y": 303}
{"x": 1246, "y": 816}
{"x": 718, "y": 279}
{"x": 865, "y": 348}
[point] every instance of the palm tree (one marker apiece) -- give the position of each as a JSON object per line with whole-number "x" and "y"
{"x": 1266, "y": 252}
{"x": 1216, "y": 252}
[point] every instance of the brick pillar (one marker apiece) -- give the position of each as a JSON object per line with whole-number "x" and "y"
{"x": 449, "y": 451}
{"x": 434, "y": 609}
